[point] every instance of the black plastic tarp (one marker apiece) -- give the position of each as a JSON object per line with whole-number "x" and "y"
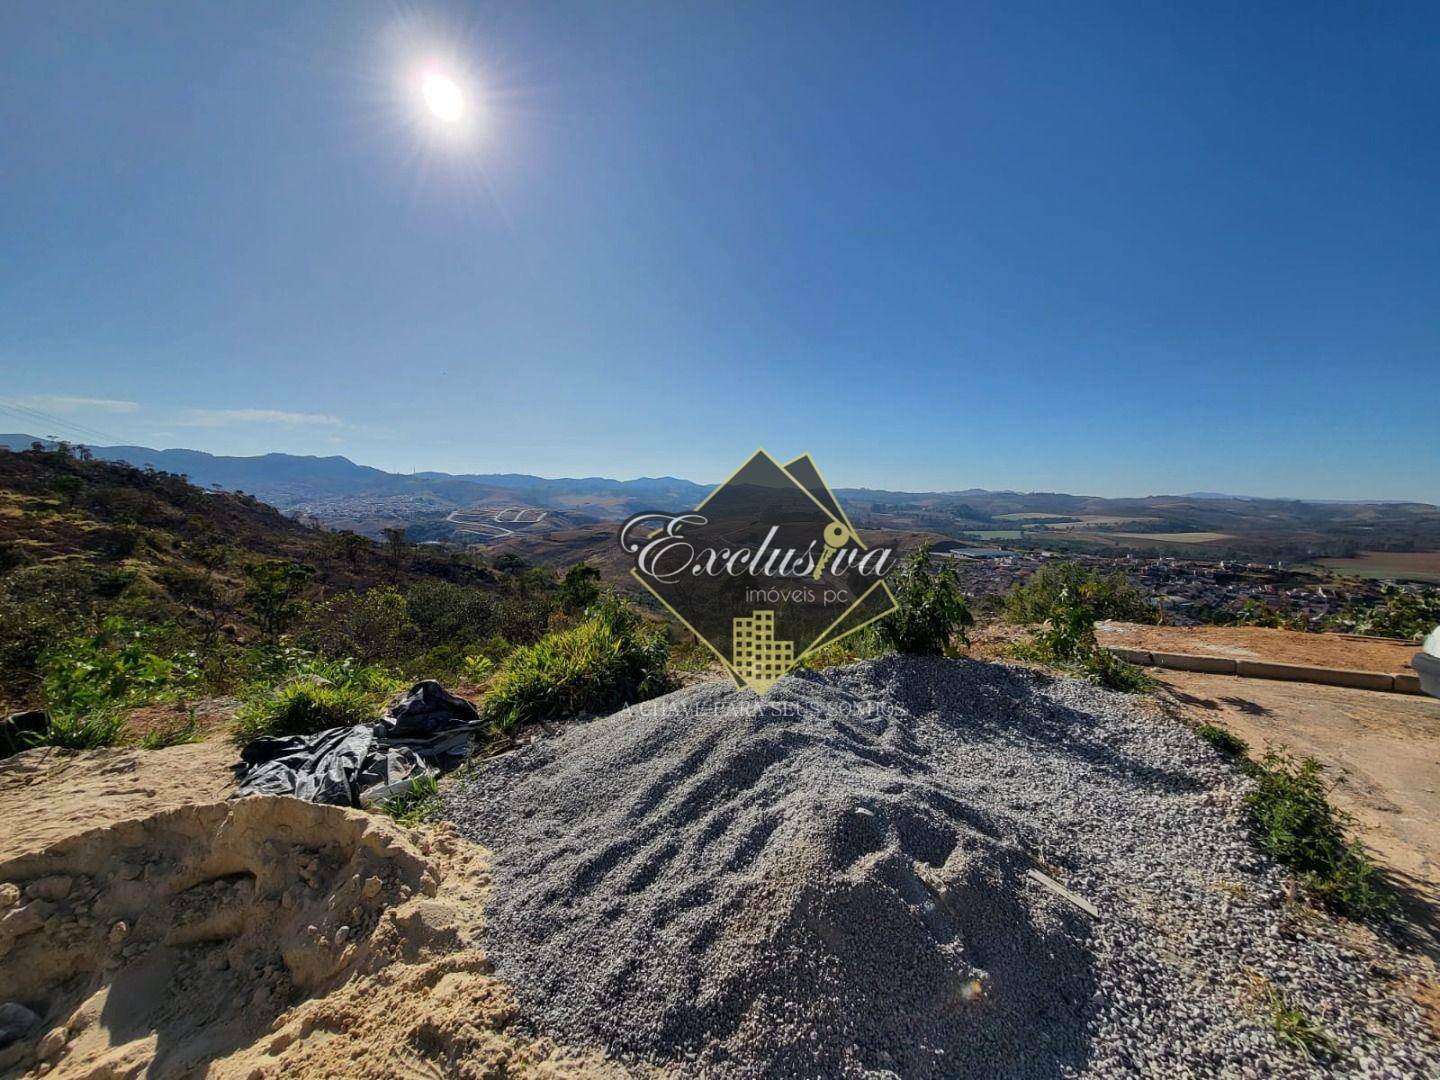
{"x": 428, "y": 730}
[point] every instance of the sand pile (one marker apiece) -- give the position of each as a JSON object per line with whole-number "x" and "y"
{"x": 262, "y": 937}
{"x": 846, "y": 876}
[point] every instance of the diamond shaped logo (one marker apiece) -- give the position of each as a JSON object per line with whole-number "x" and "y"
{"x": 766, "y": 570}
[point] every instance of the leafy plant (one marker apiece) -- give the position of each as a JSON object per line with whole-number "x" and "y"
{"x": 117, "y": 666}
{"x": 177, "y": 733}
{"x": 370, "y": 625}
{"x": 862, "y": 645}
{"x": 303, "y": 708}
{"x": 479, "y": 668}
{"x": 612, "y": 659}
{"x": 579, "y": 588}
{"x": 1224, "y": 741}
{"x": 1067, "y": 642}
{"x": 1294, "y": 822}
{"x": 272, "y": 589}
{"x": 932, "y": 609}
{"x": 1060, "y": 586}
{"x": 415, "y": 805}
{"x": 88, "y": 731}
{"x": 1292, "y": 1026}
{"x": 1401, "y": 613}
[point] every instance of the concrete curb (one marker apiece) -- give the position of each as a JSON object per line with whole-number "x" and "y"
{"x": 1404, "y": 683}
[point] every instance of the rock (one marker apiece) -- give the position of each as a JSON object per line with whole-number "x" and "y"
{"x": 51, "y": 1045}
{"x": 118, "y": 932}
{"x": 371, "y": 888}
{"x": 24, "y": 920}
{"x": 16, "y": 1022}
{"x": 53, "y": 887}
{"x": 9, "y": 895}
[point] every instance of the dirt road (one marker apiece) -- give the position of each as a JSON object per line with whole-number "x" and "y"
{"x": 1383, "y": 753}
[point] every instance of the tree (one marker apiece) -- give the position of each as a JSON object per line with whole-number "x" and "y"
{"x": 272, "y": 589}
{"x": 579, "y": 589}
{"x": 395, "y": 544}
{"x": 68, "y": 486}
{"x": 352, "y": 546}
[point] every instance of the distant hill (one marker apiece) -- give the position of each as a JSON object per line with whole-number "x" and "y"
{"x": 338, "y": 493}
{"x": 335, "y": 489}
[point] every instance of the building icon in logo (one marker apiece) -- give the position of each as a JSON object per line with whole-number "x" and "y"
{"x": 758, "y": 658}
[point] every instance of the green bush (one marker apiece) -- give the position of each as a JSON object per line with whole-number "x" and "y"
{"x": 303, "y": 708}
{"x": 1224, "y": 741}
{"x": 89, "y": 731}
{"x": 1057, "y": 587}
{"x": 613, "y": 658}
{"x": 415, "y": 805}
{"x": 1401, "y": 613}
{"x": 444, "y": 613}
{"x": 863, "y": 644}
{"x": 295, "y": 692}
{"x": 178, "y": 733}
{"x": 579, "y": 589}
{"x": 931, "y": 610}
{"x": 1294, "y": 823}
{"x": 372, "y": 626}
{"x": 122, "y": 665}
{"x": 1067, "y": 641}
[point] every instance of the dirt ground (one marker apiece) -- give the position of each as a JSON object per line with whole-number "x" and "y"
{"x": 48, "y": 795}
{"x": 154, "y": 929}
{"x": 1258, "y": 643}
{"x": 1382, "y": 752}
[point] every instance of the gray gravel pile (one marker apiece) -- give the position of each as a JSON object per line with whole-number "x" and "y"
{"x": 836, "y": 878}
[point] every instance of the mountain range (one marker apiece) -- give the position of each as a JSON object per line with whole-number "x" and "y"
{"x": 338, "y": 493}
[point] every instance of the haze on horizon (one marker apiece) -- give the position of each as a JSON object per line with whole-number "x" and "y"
{"x": 1138, "y": 250}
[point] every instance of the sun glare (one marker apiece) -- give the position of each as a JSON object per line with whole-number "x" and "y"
{"x": 443, "y": 98}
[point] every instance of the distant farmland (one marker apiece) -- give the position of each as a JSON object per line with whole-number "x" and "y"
{"x": 1389, "y": 565}
{"x": 1177, "y": 537}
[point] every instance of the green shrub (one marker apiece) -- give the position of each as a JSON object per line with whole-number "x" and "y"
{"x": 272, "y": 590}
{"x": 1226, "y": 742}
{"x": 579, "y": 589}
{"x": 863, "y": 644}
{"x": 1294, "y": 823}
{"x": 303, "y": 708}
{"x": 119, "y": 666}
{"x": 613, "y": 658}
{"x": 931, "y": 610}
{"x": 415, "y": 805}
{"x": 88, "y": 731}
{"x": 1067, "y": 642}
{"x": 1402, "y": 613}
{"x": 1059, "y": 586}
{"x": 444, "y": 613}
{"x": 1293, "y": 1028}
{"x": 373, "y": 625}
{"x": 178, "y": 733}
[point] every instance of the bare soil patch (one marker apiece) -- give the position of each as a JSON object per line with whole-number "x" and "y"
{"x": 1382, "y": 752}
{"x": 1257, "y": 643}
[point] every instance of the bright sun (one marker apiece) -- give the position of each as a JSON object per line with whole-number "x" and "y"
{"x": 443, "y": 98}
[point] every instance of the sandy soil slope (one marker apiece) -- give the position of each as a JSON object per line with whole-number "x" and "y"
{"x": 47, "y": 795}
{"x": 264, "y": 937}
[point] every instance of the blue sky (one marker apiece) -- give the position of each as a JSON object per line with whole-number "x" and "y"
{"x": 1110, "y": 249}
